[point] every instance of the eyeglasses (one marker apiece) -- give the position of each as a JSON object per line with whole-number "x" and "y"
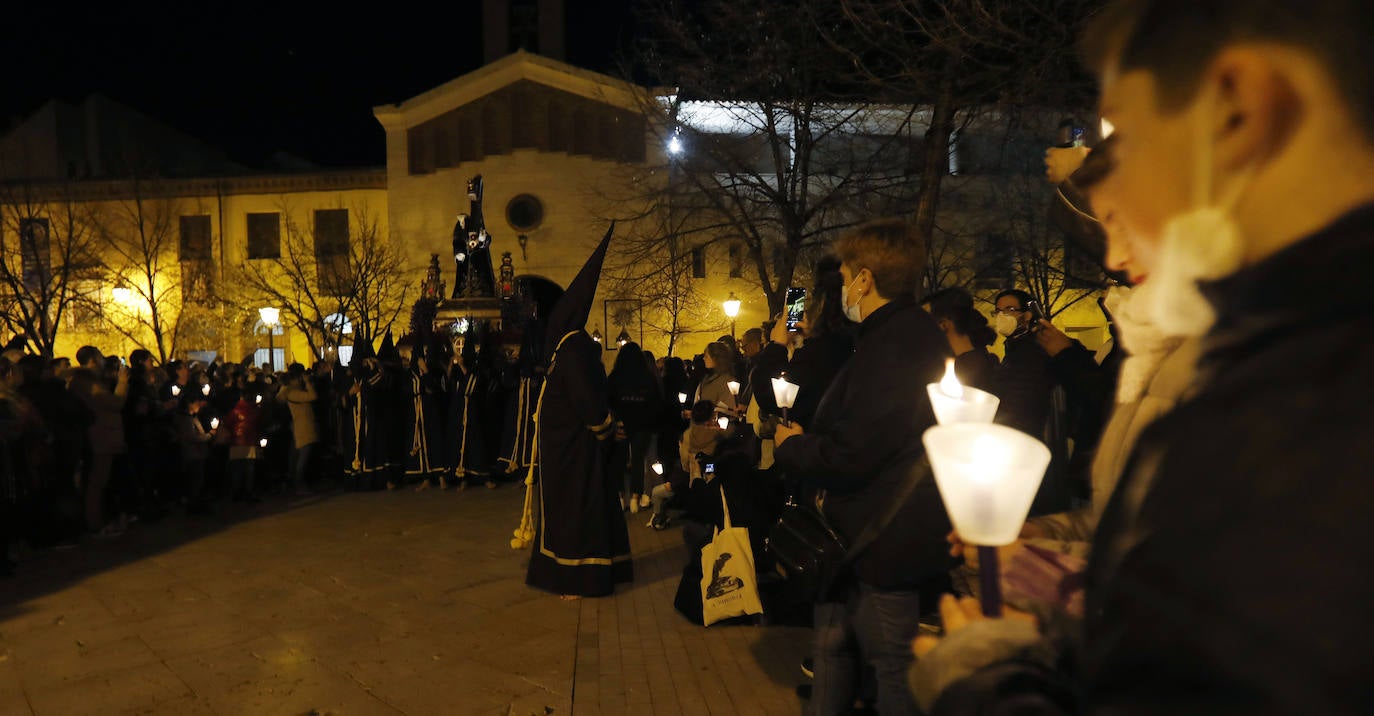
{"x": 1008, "y": 311}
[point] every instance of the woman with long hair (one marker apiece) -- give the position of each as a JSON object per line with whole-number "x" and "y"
{"x": 719, "y": 361}
{"x": 637, "y": 402}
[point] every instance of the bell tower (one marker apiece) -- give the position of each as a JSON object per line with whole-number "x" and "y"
{"x": 531, "y": 25}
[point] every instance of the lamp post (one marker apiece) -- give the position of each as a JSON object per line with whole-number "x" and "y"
{"x": 731, "y": 306}
{"x": 270, "y": 317}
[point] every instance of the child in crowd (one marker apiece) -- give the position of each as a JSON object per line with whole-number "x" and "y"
{"x": 701, "y": 438}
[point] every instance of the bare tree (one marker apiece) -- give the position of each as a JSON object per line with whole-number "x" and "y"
{"x": 140, "y": 236}
{"x": 768, "y": 149}
{"x": 48, "y": 253}
{"x": 325, "y": 285}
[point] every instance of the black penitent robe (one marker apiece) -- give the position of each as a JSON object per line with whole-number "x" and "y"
{"x": 426, "y": 428}
{"x": 581, "y": 544}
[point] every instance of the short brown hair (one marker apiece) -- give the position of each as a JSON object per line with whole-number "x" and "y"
{"x": 1175, "y": 40}
{"x": 893, "y": 250}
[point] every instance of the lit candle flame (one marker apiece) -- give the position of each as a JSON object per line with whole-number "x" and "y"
{"x": 258, "y": 400}
{"x": 949, "y": 385}
{"x": 205, "y": 389}
{"x": 214, "y": 423}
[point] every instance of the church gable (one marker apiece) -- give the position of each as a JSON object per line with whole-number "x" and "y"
{"x": 526, "y": 115}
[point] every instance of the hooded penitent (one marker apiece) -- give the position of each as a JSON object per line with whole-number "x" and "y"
{"x": 580, "y": 543}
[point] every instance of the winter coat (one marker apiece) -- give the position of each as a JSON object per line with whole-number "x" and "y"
{"x": 241, "y": 424}
{"x": 866, "y": 440}
{"x": 193, "y": 437}
{"x": 813, "y": 367}
{"x": 715, "y": 389}
{"x": 301, "y": 402}
{"x": 1072, "y": 532}
{"x": 106, "y": 433}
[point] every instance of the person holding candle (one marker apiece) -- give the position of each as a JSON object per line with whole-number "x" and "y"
{"x": 968, "y": 334}
{"x": 194, "y": 440}
{"x": 241, "y": 424}
{"x": 719, "y": 361}
{"x": 1227, "y": 571}
{"x": 863, "y": 446}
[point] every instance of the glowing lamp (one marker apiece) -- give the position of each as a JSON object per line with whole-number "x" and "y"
{"x": 657, "y": 467}
{"x": 1107, "y": 128}
{"x": 623, "y": 338}
{"x": 734, "y": 387}
{"x": 987, "y": 475}
{"x": 205, "y": 390}
{"x": 723, "y": 422}
{"x": 596, "y": 334}
{"x": 214, "y": 423}
{"x": 269, "y": 316}
{"x": 674, "y": 145}
{"x": 257, "y": 400}
{"x": 784, "y": 394}
{"x": 122, "y": 294}
{"x": 731, "y": 306}
{"x": 262, "y": 442}
{"x": 176, "y": 390}
{"x": 682, "y": 398}
{"x": 957, "y": 403}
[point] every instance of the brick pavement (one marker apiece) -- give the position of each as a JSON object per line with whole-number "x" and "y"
{"x": 377, "y": 603}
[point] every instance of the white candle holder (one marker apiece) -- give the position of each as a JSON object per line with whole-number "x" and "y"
{"x": 988, "y": 476}
{"x": 784, "y": 394}
{"x": 954, "y": 402}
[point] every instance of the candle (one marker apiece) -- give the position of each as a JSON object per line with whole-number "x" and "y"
{"x": 258, "y": 400}
{"x": 205, "y": 389}
{"x": 954, "y": 402}
{"x": 784, "y": 394}
{"x": 987, "y": 476}
{"x": 733, "y": 386}
{"x": 262, "y": 442}
{"x": 723, "y": 422}
{"x": 176, "y": 390}
{"x": 682, "y": 398}
{"x": 657, "y": 468}
{"x": 214, "y": 423}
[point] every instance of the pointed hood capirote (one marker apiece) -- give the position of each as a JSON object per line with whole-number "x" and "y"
{"x": 572, "y": 309}
{"x": 388, "y": 353}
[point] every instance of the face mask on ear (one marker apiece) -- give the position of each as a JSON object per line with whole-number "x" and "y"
{"x": 1201, "y": 244}
{"x": 850, "y": 312}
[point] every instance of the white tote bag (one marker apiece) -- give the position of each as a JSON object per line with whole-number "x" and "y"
{"x": 729, "y": 587}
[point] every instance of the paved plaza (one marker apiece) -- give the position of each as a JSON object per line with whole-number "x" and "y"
{"x": 366, "y": 603}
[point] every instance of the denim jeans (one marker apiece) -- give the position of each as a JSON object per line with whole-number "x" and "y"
{"x": 874, "y": 627}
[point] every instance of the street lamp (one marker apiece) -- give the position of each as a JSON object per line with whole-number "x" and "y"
{"x": 623, "y": 338}
{"x": 731, "y": 306}
{"x": 270, "y": 317}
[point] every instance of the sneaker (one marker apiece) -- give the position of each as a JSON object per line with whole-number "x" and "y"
{"x": 643, "y": 500}
{"x": 808, "y": 668}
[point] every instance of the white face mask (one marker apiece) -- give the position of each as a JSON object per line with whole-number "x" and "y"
{"x": 850, "y": 312}
{"x": 1201, "y": 244}
{"x": 1005, "y": 324}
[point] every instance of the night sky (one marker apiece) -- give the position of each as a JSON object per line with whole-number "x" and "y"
{"x": 258, "y": 79}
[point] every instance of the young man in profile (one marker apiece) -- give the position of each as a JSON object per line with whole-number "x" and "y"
{"x": 1228, "y": 573}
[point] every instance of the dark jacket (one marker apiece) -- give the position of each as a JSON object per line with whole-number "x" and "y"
{"x": 1229, "y": 570}
{"x": 866, "y": 438}
{"x": 813, "y": 368}
{"x": 1023, "y": 383}
{"x": 763, "y": 367}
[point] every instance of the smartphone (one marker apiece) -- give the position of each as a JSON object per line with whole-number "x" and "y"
{"x": 796, "y": 306}
{"x": 1037, "y": 314}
